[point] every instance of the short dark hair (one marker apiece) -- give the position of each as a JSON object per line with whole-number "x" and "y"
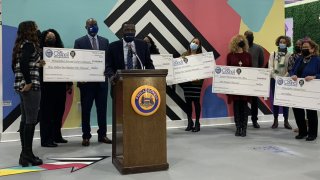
{"x": 127, "y": 22}
{"x": 287, "y": 38}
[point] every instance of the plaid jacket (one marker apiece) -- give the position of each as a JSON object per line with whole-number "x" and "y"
{"x": 19, "y": 81}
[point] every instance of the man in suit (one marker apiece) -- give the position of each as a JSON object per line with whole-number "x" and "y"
{"x": 127, "y": 53}
{"x": 256, "y": 52}
{"x": 93, "y": 91}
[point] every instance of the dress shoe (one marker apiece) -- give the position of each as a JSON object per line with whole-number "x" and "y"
{"x": 275, "y": 124}
{"x": 61, "y": 141}
{"x": 85, "y": 142}
{"x": 256, "y": 125}
{"x": 301, "y": 136}
{"x": 287, "y": 125}
{"x": 52, "y": 144}
{"x": 238, "y": 132}
{"x": 311, "y": 138}
{"x": 104, "y": 140}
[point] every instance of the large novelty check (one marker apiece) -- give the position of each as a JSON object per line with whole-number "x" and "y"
{"x": 241, "y": 81}
{"x": 65, "y": 65}
{"x": 299, "y": 94}
{"x": 164, "y": 61}
{"x": 194, "y": 67}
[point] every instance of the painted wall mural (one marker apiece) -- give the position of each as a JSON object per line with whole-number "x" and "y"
{"x": 172, "y": 24}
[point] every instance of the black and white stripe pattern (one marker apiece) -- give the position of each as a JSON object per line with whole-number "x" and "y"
{"x": 170, "y": 30}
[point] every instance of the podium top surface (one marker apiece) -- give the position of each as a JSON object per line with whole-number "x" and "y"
{"x": 146, "y": 72}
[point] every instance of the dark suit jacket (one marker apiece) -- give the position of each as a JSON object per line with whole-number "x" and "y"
{"x": 115, "y": 56}
{"x": 84, "y": 43}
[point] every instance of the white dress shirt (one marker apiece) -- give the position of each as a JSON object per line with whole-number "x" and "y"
{"x": 125, "y": 54}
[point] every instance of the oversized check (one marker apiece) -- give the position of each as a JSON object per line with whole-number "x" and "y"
{"x": 241, "y": 81}
{"x": 194, "y": 67}
{"x": 65, "y": 65}
{"x": 299, "y": 94}
{"x": 164, "y": 61}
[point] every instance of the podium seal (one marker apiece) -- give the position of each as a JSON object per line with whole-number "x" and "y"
{"x": 145, "y": 100}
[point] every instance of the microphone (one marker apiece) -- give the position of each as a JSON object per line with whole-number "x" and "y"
{"x": 142, "y": 67}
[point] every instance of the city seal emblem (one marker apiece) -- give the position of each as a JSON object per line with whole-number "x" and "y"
{"x": 145, "y": 100}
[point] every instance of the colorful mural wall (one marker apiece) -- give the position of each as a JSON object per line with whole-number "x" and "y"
{"x": 172, "y": 24}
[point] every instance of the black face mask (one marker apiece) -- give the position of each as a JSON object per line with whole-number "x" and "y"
{"x": 241, "y": 44}
{"x": 250, "y": 40}
{"x": 50, "y": 42}
{"x": 297, "y": 49}
{"x": 305, "y": 52}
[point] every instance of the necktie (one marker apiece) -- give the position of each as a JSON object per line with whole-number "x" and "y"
{"x": 94, "y": 44}
{"x": 129, "y": 57}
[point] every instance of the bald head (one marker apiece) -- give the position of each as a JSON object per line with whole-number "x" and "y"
{"x": 92, "y": 27}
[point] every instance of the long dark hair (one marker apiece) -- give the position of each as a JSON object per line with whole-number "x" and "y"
{"x": 27, "y": 31}
{"x": 199, "y": 50}
{"x": 59, "y": 43}
{"x": 153, "y": 47}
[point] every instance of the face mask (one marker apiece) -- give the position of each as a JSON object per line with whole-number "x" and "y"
{"x": 241, "y": 44}
{"x": 128, "y": 37}
{"x": 297, "y": 49}
{"x": 282, "y": 46}
{"x": 93, "y": 30}
{"x": 305, "y": 52}
{"x": 50, "y": 42}
{"x": 193, "y": 46}
{"x": 250, "y": 40}
{"x": 149, "y": 45}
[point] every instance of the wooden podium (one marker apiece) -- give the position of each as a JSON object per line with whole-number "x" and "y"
{"x": 139, "y": 142}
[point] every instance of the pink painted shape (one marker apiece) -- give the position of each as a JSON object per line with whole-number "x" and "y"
{"x": 68, "y": 104}
{"x": 217, "y": 22}
{"x": 63, "y": 166}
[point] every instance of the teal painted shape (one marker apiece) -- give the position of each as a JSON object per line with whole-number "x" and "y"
{"x": 27, "y": 168}
{"x": 252, "y": 12}
{"x": 68, "y": 17}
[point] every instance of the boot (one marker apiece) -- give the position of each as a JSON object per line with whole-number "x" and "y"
{"x": 238, "y": 132}
{"x": 196, "y": 126}
{"x": 286, "y": 124}
{"x": 244, "y": 132}
{"x": 190, "y": 124}
{"x": 27, "y": 156}
{"x": 275, "y": 123}
{"x": 21, "y": 132}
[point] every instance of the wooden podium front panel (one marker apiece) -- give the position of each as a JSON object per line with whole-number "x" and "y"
{"x": 144, "y": 137}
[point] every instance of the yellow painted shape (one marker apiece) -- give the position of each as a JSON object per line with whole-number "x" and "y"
{"x": 7, "y": 172}
{"x": 74, "y": 117}
{"x": 273, "y": 27}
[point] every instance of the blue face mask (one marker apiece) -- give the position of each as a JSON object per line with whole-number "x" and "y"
{"x": 193, "y": 46}
{"x": 282, "y": 46}
{"x": 93, "y": 30}
{"x": 129, "y": 37}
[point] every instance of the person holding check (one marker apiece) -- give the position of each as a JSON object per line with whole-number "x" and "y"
{"x": 192, "y": 90}
{"x": 239, "y": 56}
{"x": 93, "y": 91}
{"x": 278, "y": 63}
{"x": 307, "y": 67}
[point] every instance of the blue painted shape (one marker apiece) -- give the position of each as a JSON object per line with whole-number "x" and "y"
{"x": 212, "y": 105}
{"x": 9, "y": 36}
{"x": 67, "y": 17}
{"x": 252, "y": 12}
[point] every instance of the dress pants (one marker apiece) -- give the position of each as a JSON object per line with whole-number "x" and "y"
{"x": 89, "y": 92}
{"x": 312, "y": 116}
